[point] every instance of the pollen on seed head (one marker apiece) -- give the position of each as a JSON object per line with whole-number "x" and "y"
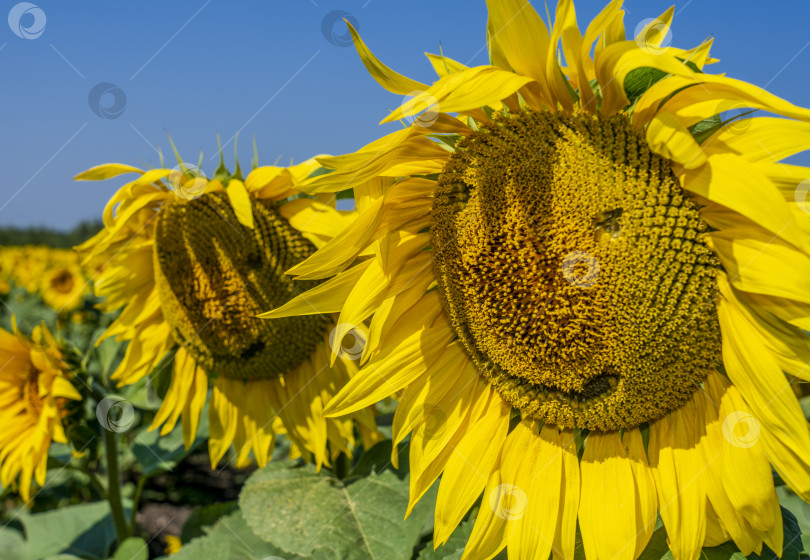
{"x": 215, "y": 275}
{"x": 574, "y": 269}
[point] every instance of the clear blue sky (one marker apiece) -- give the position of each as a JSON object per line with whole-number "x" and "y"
{"x": 198, "y": 67}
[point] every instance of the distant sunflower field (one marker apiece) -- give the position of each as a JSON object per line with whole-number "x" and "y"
{"x": 562, "y": 313}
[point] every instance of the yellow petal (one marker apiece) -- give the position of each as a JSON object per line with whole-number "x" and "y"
{"x": 759, "y": 262}
{"x": 387, "y": 78}
{"x": 731, "y": 181}
{"x": 468, "y": 468}
{"x": 523, "y": 40}
{"x": 444, "y": 65}
{"x": 472, "y": 88}
{"x": 420, "y": 154}
{"x": 677, "y": 465}
{"x": 565, "y": 535}
{"x": 194, "y": 407}
{"x": 607, "y": 512}
{"x": 223, "y": 417}
{"x": 328, "y": 297}
{"x": 616, "y": 61}
{"x": 745, "y": 473}
{"x": 240, "y": 202}
{"x": 309, "y": 216}
{"x": 106, "y": 171}
{"x": 669, "y": 138}
{"x": 408, "y": 357}
{"x": 654, "y": 33}
{"x": 756, "y": 373}
{"x": 566, "y": 30}
{"x": 531, "y": 475}
{"x": 761, "y": 139}
{"x": 597, "y": 28}
{"x": 269, "y": 182}
{"x": 646, "y": 499}
{"x": 63, "y": 388}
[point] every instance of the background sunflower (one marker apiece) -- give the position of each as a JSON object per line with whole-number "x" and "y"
{"x": 191, "y": 261}
{"x": 35, "y": 386}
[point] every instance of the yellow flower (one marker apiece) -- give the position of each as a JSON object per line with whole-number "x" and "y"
{"x": 173, "y": 544}
{"x": 550, "y": 267}
{"x": 34, "y": 388}
{"x": 64, "y": 287}
{"x": 191, "y": 262}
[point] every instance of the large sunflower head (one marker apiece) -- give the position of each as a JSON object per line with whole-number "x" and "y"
{"x": 35, "y": 386}
{"x": 585, "y": 292}
{"x": 191, "y": 262}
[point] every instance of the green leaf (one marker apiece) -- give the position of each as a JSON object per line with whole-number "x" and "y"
{"x": 798, "y": 507}
{"x": 705, "y": 128}
{"x": 134, "y": 548}
{"x": 231, "y": 539}
{"x": 378, "y": 459}
{"x": 311, "y": 514}
{"x": 12, "y": 545}
{"x": 640, "y": 80}
{"x": 203, "y": 517}
{"x": 657, "y": 548}
{"x": 83, "y": 530}
{"x": 158, "y": 453}
{"x": 107, "y": 354}
{"x": 453, "y": 548}
{"x": 792, "y": 547}
{"x": 142, "y": 394}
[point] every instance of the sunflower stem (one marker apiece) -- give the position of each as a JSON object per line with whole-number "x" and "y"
{"x": 135, "y": 500}
{"x": 114, "y": 486}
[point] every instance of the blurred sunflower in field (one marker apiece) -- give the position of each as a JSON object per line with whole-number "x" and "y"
{"x": 191, "y": 262}
{"x": 64, "y": 287}
{"x": 34, "y": 388}
{"x": 584, "y": 291}
{"x": 54, "y": 274}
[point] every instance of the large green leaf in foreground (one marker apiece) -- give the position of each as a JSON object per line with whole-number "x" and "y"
{"x": 317, "y": 516}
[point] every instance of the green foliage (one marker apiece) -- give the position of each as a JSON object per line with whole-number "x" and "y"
{"x": 157, "y": 453}
{"x": 203, "y": 517}
{"x": 640, "y": 80}
{"x": 315, "y": 514}
{"x": 453, "y": 548}
{"x": 134, "y": 548}
{"x": 48, "y": 236}
{"x": 231, "y": 539}
{"x": 84, "y": 530}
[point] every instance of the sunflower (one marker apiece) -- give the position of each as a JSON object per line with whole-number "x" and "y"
{"x": 191, "y": 262}
{"x": 586, "y": 296}
{"x": 64, "y": 287}
{"x": 34, "y": 388}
